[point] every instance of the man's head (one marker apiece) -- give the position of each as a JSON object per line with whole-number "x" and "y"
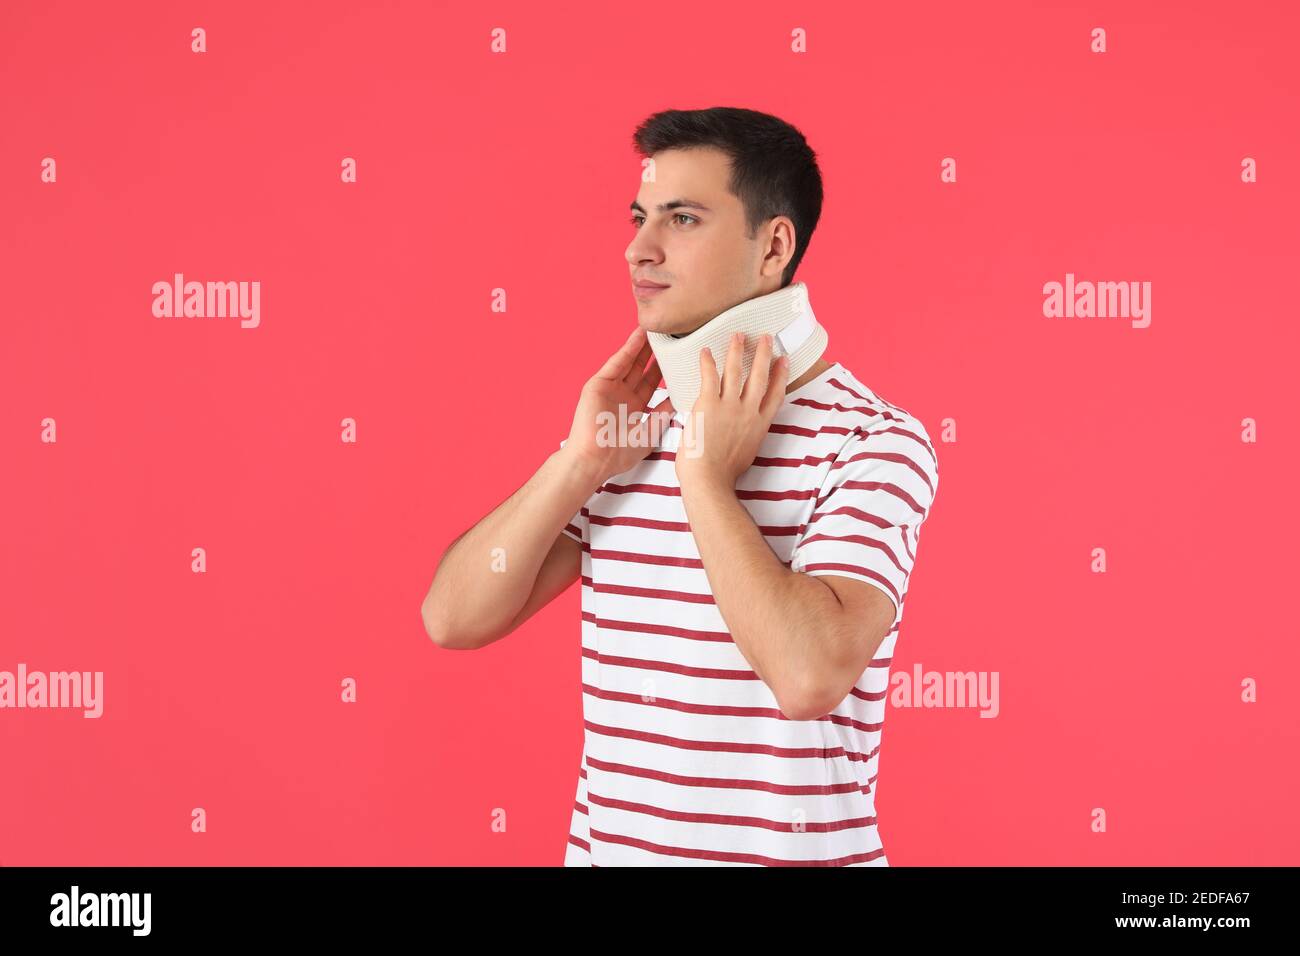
{"x": 735, "y": 198}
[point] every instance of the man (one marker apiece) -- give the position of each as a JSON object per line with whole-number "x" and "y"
{"x": 744, "y": 559}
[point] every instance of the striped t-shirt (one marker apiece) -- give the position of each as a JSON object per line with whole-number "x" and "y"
{"x": 687, "y": 758}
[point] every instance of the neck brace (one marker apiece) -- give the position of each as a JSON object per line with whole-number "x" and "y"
{"x": 784, "y": 314}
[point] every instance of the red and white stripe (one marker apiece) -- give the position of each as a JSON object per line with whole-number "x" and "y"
{"x": 687, "y": 759}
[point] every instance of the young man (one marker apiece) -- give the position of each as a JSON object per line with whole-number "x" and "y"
{"x": 744, "y": 567}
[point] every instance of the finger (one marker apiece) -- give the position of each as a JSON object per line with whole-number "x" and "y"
{"x": 708, "y": 373}
{"x": 636, "y": 429}
{"x": 775, "y": 396}
{"x": 666, "y": 408}
{"x": 647, "y": 427}
{"x": 617, "y": 365}
{"x": 756, "y": 385}
{"x": 633, "y": 378}
{"x": 731, "y": 374}
{"x": 649, "y": 382}
{"x": 664, "y": 412}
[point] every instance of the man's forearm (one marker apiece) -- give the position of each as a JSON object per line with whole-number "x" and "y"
{"x": 477, "y": 589}
{"x": 784, "y": 623}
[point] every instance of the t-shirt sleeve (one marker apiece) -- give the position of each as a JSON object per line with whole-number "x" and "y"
{"x": 576, "y": 527}
{"x": 866, "y": 521}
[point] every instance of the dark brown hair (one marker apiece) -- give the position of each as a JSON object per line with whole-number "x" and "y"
{"x": 773, "y": 169}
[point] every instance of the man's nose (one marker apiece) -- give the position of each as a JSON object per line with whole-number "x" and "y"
{"x": 644, "y": 247}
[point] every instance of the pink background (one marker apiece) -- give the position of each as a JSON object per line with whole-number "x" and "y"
{"x": 1118, "y": 690}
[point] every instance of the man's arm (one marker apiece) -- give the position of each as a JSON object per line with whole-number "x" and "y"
{"x": 808, "y": 638}
{"x": 515, "y": 560}
{"x": 480, "y": 594}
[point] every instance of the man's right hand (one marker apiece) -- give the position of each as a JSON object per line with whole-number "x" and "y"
{"x": 596, "y": 441}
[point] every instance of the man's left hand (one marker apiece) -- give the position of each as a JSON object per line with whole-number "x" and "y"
{"x": 724, "y": 430}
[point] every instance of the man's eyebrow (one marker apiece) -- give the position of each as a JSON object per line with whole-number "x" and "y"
{"x": 674, "y": 204}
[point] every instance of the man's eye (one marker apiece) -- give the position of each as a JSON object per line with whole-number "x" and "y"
{"x": 637, "y": 220}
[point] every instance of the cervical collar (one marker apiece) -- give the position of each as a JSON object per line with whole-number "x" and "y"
{"x": 784, "y": 314}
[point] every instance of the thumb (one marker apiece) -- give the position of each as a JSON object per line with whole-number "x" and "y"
{"x": 662, "y": 414}
{"x": 664, "y": 410}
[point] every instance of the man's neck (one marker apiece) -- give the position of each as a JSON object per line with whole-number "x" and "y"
{"x": 820, "y": 366}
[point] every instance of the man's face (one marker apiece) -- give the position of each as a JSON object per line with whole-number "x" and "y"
{"x": 698, "y": 248}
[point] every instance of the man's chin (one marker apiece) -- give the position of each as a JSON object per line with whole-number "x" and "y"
{"x": 653, "y": 320}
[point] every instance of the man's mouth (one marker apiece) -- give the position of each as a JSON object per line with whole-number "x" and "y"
{"x": 644, "y": 289}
